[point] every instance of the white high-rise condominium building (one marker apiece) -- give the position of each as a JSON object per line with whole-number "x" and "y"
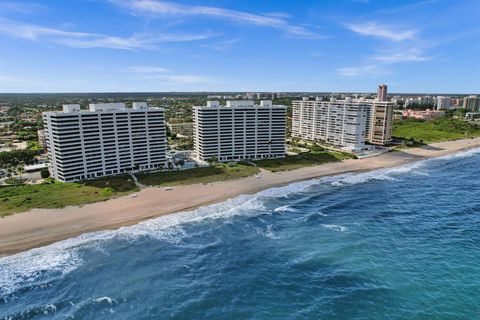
{"x": 443, "y": 103}
{"x": 239, "y": 130}
{"x": 106, "y": 140}
{"x": 340, "y": 123}
{"x": 345, "y": 123}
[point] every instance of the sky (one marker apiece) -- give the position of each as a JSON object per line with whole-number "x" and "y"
{"x": 242, "y": 45}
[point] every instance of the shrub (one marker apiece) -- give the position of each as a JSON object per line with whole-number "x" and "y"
{"x": 45, "y": 173}
{"x": 107, "y": 192}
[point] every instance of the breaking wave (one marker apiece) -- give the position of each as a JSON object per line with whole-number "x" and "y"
{"x": 61, "y": 258}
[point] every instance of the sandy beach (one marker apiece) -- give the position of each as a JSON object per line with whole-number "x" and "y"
{"x": 39, "y": 227}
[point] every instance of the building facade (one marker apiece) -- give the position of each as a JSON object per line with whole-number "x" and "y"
{"x": 340, "y": 123}
{"x": 423, "y": 115}
{"x": 240, "y": 130}
{"x": 379, "y": 121}
{"x": 106, "y": 140}
{"x": 182, "y": 128}
{"x": 443, "y": 103}
{"x": 471, "y": 103}
{"x": 344, "y": 123}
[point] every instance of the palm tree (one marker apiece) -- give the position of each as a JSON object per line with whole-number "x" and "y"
{"x": 9, "y": 171}
{"x": 21, "y": 169}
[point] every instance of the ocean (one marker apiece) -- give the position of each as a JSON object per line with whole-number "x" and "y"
{"x": 399, "y": 243}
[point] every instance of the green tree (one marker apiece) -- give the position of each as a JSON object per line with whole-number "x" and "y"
{"x": 45, "y": 173}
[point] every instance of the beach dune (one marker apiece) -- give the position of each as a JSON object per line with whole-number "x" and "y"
{"x": 40, "y": 227}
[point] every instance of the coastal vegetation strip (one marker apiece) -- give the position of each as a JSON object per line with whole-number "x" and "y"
{"x": 311, "y": 158}
{"x": 217, "y": 172}
{"x": 443, "y": 129}
{"x": 52, "y": 195}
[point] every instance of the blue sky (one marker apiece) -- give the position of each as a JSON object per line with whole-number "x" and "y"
{"x": 242, "y": 45}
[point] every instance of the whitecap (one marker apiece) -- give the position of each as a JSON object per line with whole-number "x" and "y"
{"x": 335, "y": 227}
{"x": 285, "y": 209}
{"x": 63, "y": 257}
{"x": 49, "y": 308}
{"x": 108, "y": 300}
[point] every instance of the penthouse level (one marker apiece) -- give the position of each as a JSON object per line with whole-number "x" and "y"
{"x": 105, "y": 140}
{"x": 239, "y": 130}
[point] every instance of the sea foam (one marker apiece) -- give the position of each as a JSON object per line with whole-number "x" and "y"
{"x": 60, "y": 258}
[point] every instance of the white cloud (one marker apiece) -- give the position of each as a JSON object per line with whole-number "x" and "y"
{"x": 383, "y": 31}
{"x": 165, "y": 8}
{"x": 369, "y": 70}
{"x": 24, "y": 8}
{"x": 182, "y": 79}
{"x": 142, "y": 69}
{"x": 188, "y": 79}
{"x": 91, "y": 40}
{"x": 164, "y": 75}
{"x": 407, "y": 56}
{"x": 222, "y": 45}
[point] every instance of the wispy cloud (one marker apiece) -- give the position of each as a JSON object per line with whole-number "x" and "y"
{"x": 165, "y": 75}
{"x": 222, "y": 45}
{"x": 383, "y": 31}
{"x": 368, "y": 70}
{"x": 21, "y": 7}
{"x": 92, "y": 40}
{"x": 143, "y": 69}
{"x": 404, "y": 56}
{"x": 164, "y": 8}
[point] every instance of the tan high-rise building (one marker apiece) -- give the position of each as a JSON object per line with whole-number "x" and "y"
{"x": 382, "y": 92}
{"x": 471, "y": 103}
{"x": 345, "y": 123}
{"x": 379, "y": 122}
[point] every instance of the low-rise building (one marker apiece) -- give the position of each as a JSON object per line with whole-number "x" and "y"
{"x": 28, "y": 117}
{"x": 472, "y": 116}
{"x": 105, "y": 140}
{"x": 423, "y": 115}
{"x": 182, "y": 128}
{"x": 42, "y": 139}
{"x": 240, "y": 130}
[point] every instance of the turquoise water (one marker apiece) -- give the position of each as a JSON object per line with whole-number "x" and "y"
{"x": 402, "y": 243}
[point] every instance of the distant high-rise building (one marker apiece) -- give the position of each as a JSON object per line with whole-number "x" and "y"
{"x": 471, "y": 103}
{"x": 106, "y": 140}
{"x": 443, "y": 103}
{"x": 382, "y": 92}
{"x": 240, "y": 130}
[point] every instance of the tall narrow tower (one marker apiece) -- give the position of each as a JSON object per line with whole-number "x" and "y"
{"x": 382, "y": 92}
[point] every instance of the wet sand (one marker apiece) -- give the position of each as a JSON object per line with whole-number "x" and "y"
{"x": 39, "y": 227}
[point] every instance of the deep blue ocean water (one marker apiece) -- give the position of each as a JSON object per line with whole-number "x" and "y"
{"x": 401, "y": 243}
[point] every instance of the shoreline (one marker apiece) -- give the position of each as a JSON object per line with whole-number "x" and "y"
{"x": 39, "y": 227}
